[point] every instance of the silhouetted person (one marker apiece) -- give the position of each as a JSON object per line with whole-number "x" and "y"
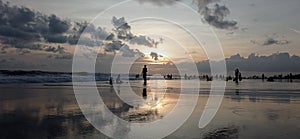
{"x": 270, "y": 79}
{"x": 238, "y": 76}
{"x": 111, "y": 81}
{"x": 263, "y": 77}
{"x": 144, "y": 72}
{"x": 118, "y": 79}
{"x": 291, "y": 77}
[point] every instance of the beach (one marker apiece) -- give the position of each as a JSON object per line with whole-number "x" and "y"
{"x": 252, "y": 109}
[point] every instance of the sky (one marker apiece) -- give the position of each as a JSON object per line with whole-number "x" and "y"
{"x": 262, "y": 28}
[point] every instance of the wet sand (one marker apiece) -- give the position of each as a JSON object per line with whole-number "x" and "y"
{"x": 249, "y": 110}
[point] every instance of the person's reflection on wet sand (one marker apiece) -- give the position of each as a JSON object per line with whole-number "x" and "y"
{"x": 237, "y": 92}
{"x": 145, "y": 93}
{"x": 144, "y": 73}
{"x": 118, "y": 89}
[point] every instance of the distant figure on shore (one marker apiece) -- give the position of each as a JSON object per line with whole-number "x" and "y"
{"x": 111, "y": 80}
{"x": 144, "y": 72}
{"x": 169, "y": 77}
{"x": 270, "y": 79}
{"x": 118, "y": 81}
{"x": 208, "y": 78}
{"x": 238, "y": 76}
{"x": 263, "y": 77}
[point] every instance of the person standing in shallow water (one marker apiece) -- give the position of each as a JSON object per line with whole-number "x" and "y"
{"x": 144, "y": 72}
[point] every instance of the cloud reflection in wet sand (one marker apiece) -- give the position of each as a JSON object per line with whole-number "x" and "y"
{"x": 37, "y": 111}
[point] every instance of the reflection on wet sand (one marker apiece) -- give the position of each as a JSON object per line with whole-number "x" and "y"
{"x": 230, "y": 132}
{"x": 36, "y": 111}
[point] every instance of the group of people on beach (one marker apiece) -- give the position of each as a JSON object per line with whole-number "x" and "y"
{"x": 237, "y": 78}
{"x": 119, "y": 81}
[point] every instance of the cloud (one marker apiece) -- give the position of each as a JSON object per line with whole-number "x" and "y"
{"x": 202, "y": 4}
{"x": 123, "y": 32}
{"x": 216, "y": 17}
{"x": 65, "y": 56}
{"x": 273, "y": 41}
{"x": 21, "y": 23}
{"x": 121, "y": 37}
{"x": 113, "y": 46}
{"x": 37, "y": 47}
{"x": 26, "y": 30}
{"x": 158, "y": 2}
{"x": 143, "y": 40}
{"x": 55, "y": 38}
{"x": 127, "y": 52}
{"x": 57, "y": 49}
{"x": 57, "y": 26}
{"x": 17, "y": 33}
{"x": 154, "y": 56}
{"x": 22, "y": 51}
{"x": 277, "y": 62}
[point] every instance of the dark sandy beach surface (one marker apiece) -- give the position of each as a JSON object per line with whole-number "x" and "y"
{"x": 249, "y": 110}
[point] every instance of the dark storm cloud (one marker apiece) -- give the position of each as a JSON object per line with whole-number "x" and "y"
{"x": 26, "y": 30}
{"x": 216, "y": 17}
{"x": 22, "y": 23}
{"x": 278, "y": 62}
{"x": 57, "y": 26}
{"x": 17, "y": 33}
{"x": 55, "y": 38}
